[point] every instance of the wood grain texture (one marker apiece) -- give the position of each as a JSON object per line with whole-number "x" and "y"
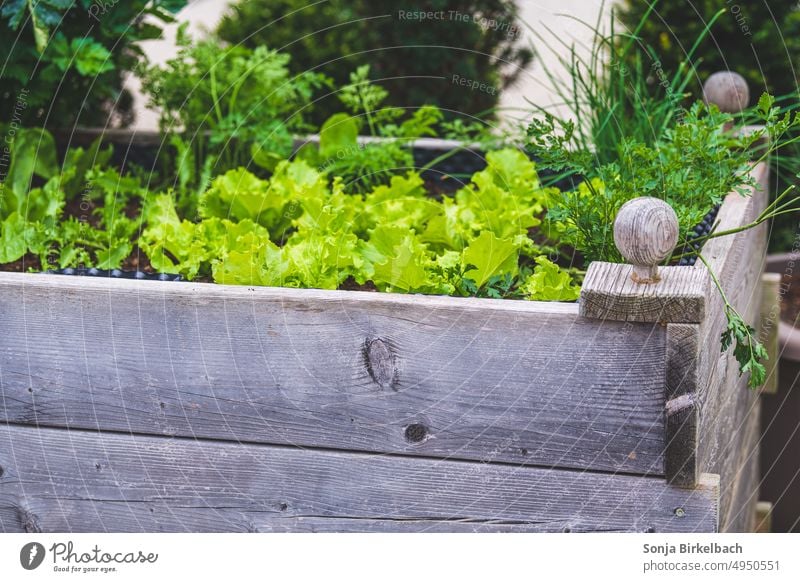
{"x": 77, "y": 481}
{"x": 511, "y": 381}
{"x": 645, "y": 232}
{"x": 682, "y": 438}
{"x": 683, "y": 352}
{"x": 740, "y": 493}
{"x": 684, "y": 375}
{"x": 728, "y": 421}
{"x": 769, "y": 319}
{"x": 610, "y": 294}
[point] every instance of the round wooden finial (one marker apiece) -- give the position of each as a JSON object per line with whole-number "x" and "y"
{"x": 728, "y": 91}
{"x": 646, "y": 232}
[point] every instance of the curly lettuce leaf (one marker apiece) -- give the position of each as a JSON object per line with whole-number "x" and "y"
{"x": 549, "y": 283}
{"x": 273, "y": 203}
{"x": 488, "y": 256}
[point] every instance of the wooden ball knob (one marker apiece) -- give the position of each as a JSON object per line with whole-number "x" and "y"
{"x": 728, "y": 91}
{"x": 646, "y": 232}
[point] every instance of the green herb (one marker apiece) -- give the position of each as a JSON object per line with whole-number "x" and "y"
{"x": 234, "y": 106}
{"x": 692, "y": 167}
{"x": 748, "y": 351}
{"x": 32, "y": 218}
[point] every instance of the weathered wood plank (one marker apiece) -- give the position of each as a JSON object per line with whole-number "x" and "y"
{"x": 725, "y": 252}
{"x": 684, "y": 375}
{"x": 59, "y": 481}
{"x": 682, "y": 438}
{"x": 729, "y": 416}
{"x": 740, "y": 493}
{"x": 513, "y": 381}
{"x": 769, "y": 320}
{"x": 728, "y": 430}
{"x": 609, "y": 293}
{"x": 683, "y": 351}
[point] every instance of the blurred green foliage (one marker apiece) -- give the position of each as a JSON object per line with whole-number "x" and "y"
{"x": 414, "y": 56}
{"x": 758, "y": 39}
{"x": 63, "y": 61}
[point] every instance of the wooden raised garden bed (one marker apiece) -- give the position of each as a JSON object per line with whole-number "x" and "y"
{"x": 163, "y": 406}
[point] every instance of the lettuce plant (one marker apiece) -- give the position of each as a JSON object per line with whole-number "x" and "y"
{"x": 297, "y": 229}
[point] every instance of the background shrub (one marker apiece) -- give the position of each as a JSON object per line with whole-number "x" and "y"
{"x": 414, "y": 59}
{"x": 63, "y": 61}
{"x": 758, "y": 39}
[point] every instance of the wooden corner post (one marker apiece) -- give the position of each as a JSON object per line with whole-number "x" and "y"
{"x": 710, "y": 415}
{"x": 728, "y": 91}
{"x": 646, "y": 232}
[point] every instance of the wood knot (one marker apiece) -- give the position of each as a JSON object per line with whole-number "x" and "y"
{"x": 381, "y": 363}
{"x": 29, "y": 521}
{"x": 416, "y": 433}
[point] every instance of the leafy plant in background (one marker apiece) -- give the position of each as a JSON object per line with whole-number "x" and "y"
{"x": 609, "y": 91}
{"x": 33, "y": 200}
{"x": 758, "y": 40}
{"x": 416, "y": 60}
{"x": 64, "y": 60}
{"x": 233, "y": 105}
{"x": 371, "y": 142}
{"x": 364, "y": 165}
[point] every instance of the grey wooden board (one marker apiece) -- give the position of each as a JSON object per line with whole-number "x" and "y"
{"x": 727, "y": 406}
{"x": 609, "y": 293}
{"x": 513, "y": 381}
{"x": 728, "y": 439}
{"x": 740, "y": 496}
{"x": 55, "y": 480}
{"x": 769, "y": 319}
{"x": 681, "y": 449}
{"x": 727, "y": 411}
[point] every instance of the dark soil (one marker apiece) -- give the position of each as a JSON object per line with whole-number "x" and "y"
{"x": 136, "y": 261}
{"x": 27, "y": 263}
{"x": 351, "y": 285}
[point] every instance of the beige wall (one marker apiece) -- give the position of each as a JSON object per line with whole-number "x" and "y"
{"x": 567, "y": 19}
{"x": 560, "y": 16}
{"x": 202, "y": 16}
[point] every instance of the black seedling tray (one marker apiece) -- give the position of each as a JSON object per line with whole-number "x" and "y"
{"x": 701, "y": 229}
{"x": 117, "y": 274}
